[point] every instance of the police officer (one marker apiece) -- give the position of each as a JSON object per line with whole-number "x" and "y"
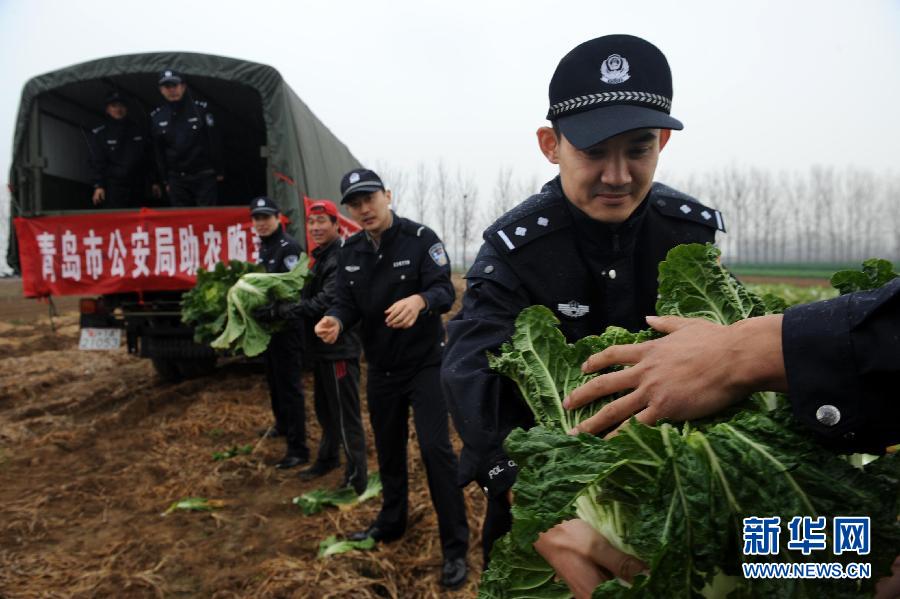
{"x": 587, "y": 246}
{"x": 187, "y": 144}
{"x": 120, "y": 158}
{"x": 394, "y": 278}
{"x": 335, "y": 366}
{"x": 279, "y": 252}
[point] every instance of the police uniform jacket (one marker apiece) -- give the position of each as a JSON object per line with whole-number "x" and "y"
{"x": 185, "y": 138}
{"x": 316, "y": 298}
{"x": 591, "y": 274}
{"x": 842, "y": 359}
{"x": 279, "y": 252}
{"x": 409, "y": 260}
{"x": 120, "y": 151}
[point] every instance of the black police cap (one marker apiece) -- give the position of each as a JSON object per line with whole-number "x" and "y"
{"x": 263, "y": 205}
{"x": 114, "y": 97}
{"x": 359, "y": 180}
{"x": 610, "y": 85}
{"x": 170, "y": 76}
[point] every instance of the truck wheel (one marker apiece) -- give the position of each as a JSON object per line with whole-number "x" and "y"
{"x": 167, "y": 369}
{"x": 191, "y": 368}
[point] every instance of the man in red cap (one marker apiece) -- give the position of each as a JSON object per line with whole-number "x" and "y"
{"x": 335, "y": 366}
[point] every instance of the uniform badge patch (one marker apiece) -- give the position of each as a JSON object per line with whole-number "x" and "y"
{"x": 573, "y": 309}
{"x": 209, "y": 120}
{"x": 351, "y": 268}
{"x": 291, "y": 261}
{"x": 614, "y": 70}
{"x": 438, "y": 254}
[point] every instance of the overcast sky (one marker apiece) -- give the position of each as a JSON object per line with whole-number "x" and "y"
{"x": 782, "y": 85}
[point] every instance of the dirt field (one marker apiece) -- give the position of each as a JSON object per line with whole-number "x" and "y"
{"x": 93, "y": 448}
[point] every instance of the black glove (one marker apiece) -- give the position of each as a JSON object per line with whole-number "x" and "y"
{"x": 267, "y": 313}
{"x": 285, "y": 310}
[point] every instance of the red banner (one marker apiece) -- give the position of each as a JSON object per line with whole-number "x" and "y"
{"x": 346, "y": 227}
{"x": 145, "y": 250}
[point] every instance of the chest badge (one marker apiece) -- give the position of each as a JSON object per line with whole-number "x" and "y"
{"x": 351, "y": 268}
{"x": 400, "y": 263}
{"x": 573, "y": 309}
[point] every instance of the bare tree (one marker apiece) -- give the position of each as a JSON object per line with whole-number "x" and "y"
{"x": 890, "y": 190}
{"x": 503, "y": 194}
{"x": 526, "y": 187}
{"x": 767, "y": 220}
{"x": 422, "y": 189}
{"x": 395, "y": 180}
{"x": 443, "y": 191}
{"x": 465, "y": 215}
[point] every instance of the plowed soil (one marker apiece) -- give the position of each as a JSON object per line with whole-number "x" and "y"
{"x": 94, "y": 447}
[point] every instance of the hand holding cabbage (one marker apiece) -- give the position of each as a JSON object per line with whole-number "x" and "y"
{"x": 674, "y": 496}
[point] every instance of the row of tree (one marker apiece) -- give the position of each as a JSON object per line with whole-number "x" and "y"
{"x": 822, "y": 215}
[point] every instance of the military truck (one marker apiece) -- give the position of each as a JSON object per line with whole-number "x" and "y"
{"x": 130, "y": 267}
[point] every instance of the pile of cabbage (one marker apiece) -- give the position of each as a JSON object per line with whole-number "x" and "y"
{"x": 675, "y": 495}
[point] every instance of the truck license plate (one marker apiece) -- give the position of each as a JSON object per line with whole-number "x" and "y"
{"x": 100, "y": 339}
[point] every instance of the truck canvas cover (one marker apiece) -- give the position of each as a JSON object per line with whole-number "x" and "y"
{"x": 274, "y": 145}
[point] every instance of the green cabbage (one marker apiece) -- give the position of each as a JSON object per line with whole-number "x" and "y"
{"x": 333, "y": 546}
{"x": 313, "y": 502}
{"x": 255, "y": 290}
{"x": 206, "y": 306}
{"x": 675, "y": 495}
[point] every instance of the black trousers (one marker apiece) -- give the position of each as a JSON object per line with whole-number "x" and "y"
{"x": 497, "y": 522}
{"x": 337, "y": 410}
{"x": 389, "y": 398}
{"x": 197, "y": 189}
{"x": 283, "y": 371}
{"x": 123, "y": 193}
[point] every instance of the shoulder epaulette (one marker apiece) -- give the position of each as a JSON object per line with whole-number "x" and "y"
{"x": 97, "y": 130}
{"x": 534, "y": 218}
{"x": 411, "y": 228}
{"x": 155, "y": 110}
{"x": 352, "y": 239}
{"x": 675, "y": 204}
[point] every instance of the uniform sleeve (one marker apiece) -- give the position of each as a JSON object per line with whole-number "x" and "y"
{"x": 159, "y": 152}
{"x": 216, "y": 154}
{"x": 436, "y": 284}
{"x": 314, "y": 307}
{"x": 97, "y": 161}
{"x": 485, "y": 405}
{"x": 148, "y": 161}
{"x": 344, "y": 307}
{"x": 842, "y": 358}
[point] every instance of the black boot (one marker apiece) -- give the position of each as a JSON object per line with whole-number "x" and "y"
{"x": 318, "y": 469}
{"x": 454, "y": 573}
{"x": 291, "y": 461}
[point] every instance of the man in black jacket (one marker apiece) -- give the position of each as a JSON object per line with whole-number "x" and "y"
{"x": 120, "y": 158}
{"x": 394, "y": 278}
{"x": 187, "y": 144}
{"x": 335, "y": 366}
{"x": 587, "y": 246}
{"x": 279, "y": 252}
